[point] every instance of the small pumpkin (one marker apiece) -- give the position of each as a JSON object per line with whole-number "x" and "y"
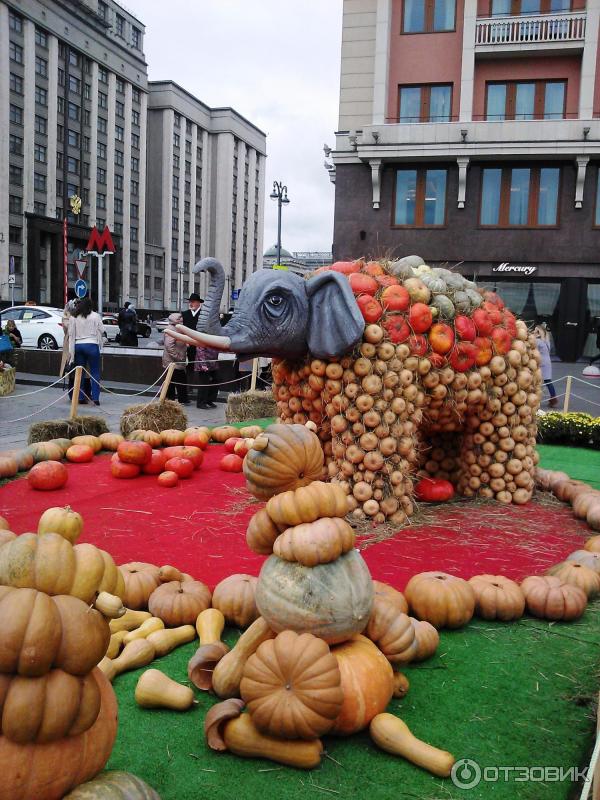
{"x": 8, "y": 466}
{"x": 172, "y": 437}
{"x": 141, "y": 579}
{"x": 308, "y": 503}
{"x": 168, "y": 639}
{"x": 64, "y": 521}
{"x": 79, "y": 454}
{"x": 182, "y": 467}
{"x": 593, "y": 544}
{"x": 391, "y": 631}
{"x": 231, "y": 463}
{"x": 111, "y": 441}
{"x": 262, "y": 532}
{"x": 46, "y": 451}
{"x": 442, "y": 599}
{"x": 385, "y": 591}
{"x": 23, "y": 458}
{"x": 313, "y": 543}
{"x": 548, "y": 597}
{"x": 150, "y": 437}
{"x": 168, "y": 479}
{"x": 588, "y": 558}
{"x": 221, "y": 433}
{"x": 577, "y": 574}
{"x": 119, "y": 469}
{"x": 156, "y": 464}
{"x": 292, "y": 687}
{"x": 114, "y": 785}
{"x": 193, "y": 454}
{"x": 63, "y": 443}
{"x": 497, "y": 597}
{"x": 197, "y": 437}
{"x": 235, "y": 598}
{"x": 47, "y": 476}
{"x": 434, "y": 490}
{"x": 178, "y": 603}
{"x": 138, "y": 453}
{"x": 293, "y": 457}
{"x": 426, "y": 637}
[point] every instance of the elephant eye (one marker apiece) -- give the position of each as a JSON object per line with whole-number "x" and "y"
{"x": 275, "y": 300}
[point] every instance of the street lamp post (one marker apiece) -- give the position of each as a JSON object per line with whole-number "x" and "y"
{"x": 279, "y": 193}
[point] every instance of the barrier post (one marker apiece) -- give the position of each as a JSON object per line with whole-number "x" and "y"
{"x": 567, "y": 394}
{"x": 254, "y": 374}
{"x": 166, "y": 383}
{"x": 76, "y": 389}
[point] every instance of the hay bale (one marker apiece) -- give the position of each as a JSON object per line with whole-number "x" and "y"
{"x": 159, "y": 416}
{"x": 250, "y": 405}
{"x": 66, "y": 428}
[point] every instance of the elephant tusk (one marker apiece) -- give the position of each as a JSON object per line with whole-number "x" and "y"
{"x": 181, "y": 337}
{"x": 206, "y": 339}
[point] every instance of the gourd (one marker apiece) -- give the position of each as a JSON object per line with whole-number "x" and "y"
{"x": 109, "y": 605}
{"x": 443, "y": 600}
{"x": 549, "y": 597}
{"x": 292, "y": 457}
{"x": 243, "y": 739}
{"x": 578, "y": 575}
{"x": 497, "y": 597}
{"x": 141, "y": 579}
{"x": 228, "y": 672}
{"x": 64, "y": 521}
{"x": 134, "y": 655}
{"x": 235, "y": 598}
{"x": 426, "y": 637}
{"x": 166, "y": 640}
{"x": 178, "y": 603}
{"x": 384, "y": 590}
{"x": 332, "y": 601}
{"x": 313, "y": 543}
{"x": 401, "y": 685}
{"x": 308, "y": 503}
{"x": 391, "y": 631}
{"x": 292, "y": 687}
{"x": 114, "y": 785}
{"x": 40, "y": 632}
{"x": 47, "y": 708}
{"x": 49, "y": 563}
{"x": 129, "y": 621}
{"x": 394, "y": 736}
{"x": 107, "y": 668}
{"x": 169, "y": 573}
{"x": 262, "y": 533}
{"x": 155, "y": 690}
{"x": 209, "y": 625}
{"x": 145, "y": 629}
{"x": 115, "y": 644}
{"x": 49, "y": 771}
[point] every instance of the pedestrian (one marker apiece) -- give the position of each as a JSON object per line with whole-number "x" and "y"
{"x": 174, "y": 352}
{"x": 15, "y": 339}
{"x": 127, "y": 321}
{"x": 206, "y": 367}
{"x": 543, "y": 345}
{"x": 191, "y": 318}
{"x": 86, "y": 338}
{"x": 597, "y": 356}
{"x": 67, "y": 312}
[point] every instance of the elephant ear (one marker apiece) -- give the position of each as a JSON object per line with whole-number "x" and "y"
{"x": 335, "y": 323}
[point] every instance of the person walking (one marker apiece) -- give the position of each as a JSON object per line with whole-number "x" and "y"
{"x": 191, "y": 318}
{"x": 67, "y": 312}
{"x": 127, "y": 321}
{"x": 174, "y": 352}
{"x": 543, "y": 345}
{"x": 206, "y": 367}
{"x": 86, "y": 338}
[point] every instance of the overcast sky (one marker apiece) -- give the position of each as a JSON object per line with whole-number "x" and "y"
{"x": 277, "y": 62}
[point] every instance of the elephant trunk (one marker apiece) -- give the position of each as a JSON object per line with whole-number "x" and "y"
{"x": 209, "y": 313}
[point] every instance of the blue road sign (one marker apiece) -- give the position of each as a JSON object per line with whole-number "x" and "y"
{"x": 81, "y": 288}
{"x": 235, "y": 293}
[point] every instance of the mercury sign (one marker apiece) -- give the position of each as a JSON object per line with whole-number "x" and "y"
{"x": 514, "y": 269}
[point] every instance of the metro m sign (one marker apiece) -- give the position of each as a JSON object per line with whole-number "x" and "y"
{"x": 100, "y": 243}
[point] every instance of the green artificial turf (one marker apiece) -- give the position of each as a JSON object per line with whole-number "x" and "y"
{"x": 578, "y": 462}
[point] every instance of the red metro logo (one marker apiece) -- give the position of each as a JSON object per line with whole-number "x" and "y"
{"x": 100, "y": 243}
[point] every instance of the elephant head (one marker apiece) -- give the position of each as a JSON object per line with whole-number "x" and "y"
{"x": 280, "y": 314}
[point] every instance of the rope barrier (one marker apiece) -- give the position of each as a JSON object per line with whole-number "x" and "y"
{"x": 35, "y": 413}
{"x": 42, "y": 388}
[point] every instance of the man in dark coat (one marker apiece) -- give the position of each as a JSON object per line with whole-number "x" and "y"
{"x": 191, "y": 317}
{"x": 127, "y": 321}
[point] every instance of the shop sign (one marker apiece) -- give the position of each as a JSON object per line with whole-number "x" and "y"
{"x": 514, "y": 269}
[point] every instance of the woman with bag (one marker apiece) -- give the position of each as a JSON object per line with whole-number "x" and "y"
{"x": 85, "y": 344}
{"x": 12, "y": 333}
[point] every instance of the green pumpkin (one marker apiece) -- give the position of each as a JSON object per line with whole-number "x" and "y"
{"x": 114, "y": 785}
{"x": 64, "y": 443}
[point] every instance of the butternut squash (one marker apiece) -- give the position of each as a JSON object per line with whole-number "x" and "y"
{"x": 228, "y": 672}
{"x": 215, "y": 719}
{"x": 115, "y": 644}
{"x": 166, "y": 640}
{"x": 145, "y": 629}
{"x": 394, "y": 736}
{"x": 110, "y": 605}
{"x": 209, "y": 625}
{"x": 242, "y": 738}
{"x": 155, "y": 690}
{"x": 169, "y": 573}
{"x": 107, "y": 666}
{"x": 129, "y": 621}
{"x": 134, "y": 655}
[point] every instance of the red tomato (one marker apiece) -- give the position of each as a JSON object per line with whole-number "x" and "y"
{"x": 363, "y": 284}
{"x": 434, "y": 490}
{"x": 47, "y": 475}
{"x": 484, "y": 351}
{"x": 482, "y": 321}
{"x": 231, "y": 463}
{"x": 395, "y": 298}
{"x": 418, "y": 344}
{"x": 369, "y": 308}
{"x": 168, "y": 479}
{"x": 420, "y": 318}
{"x": 386, "y": 280}
{"x": 122, "y": 469}
{"x": 231, "y": 443}
{"x": 346, "y": 267}
{"x": 156, "y": 464}
{"x": 397, "y": 328}
{"x": 465, "y": 328}
{"x": 79, "y": 453}
{"x": 241, "y": 448}
{"x": 502, "y": 340}
{"x": 183, "y": 467}
{"x": 134, "y": 452}
{"x": 441, "y": 338}
{"x": 463, "y": 356}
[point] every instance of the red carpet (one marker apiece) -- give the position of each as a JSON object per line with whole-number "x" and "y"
{"x": 200, "y": 527}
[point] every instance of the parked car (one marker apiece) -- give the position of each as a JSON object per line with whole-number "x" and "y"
{"x": 111, "y": 327}
{"x": 40, "y": 326}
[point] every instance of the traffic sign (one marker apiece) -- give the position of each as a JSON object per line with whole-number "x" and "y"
{"x": 81, "y": 288}
{"x": 80, "y": 265}
{"x": 11, "y": 266}
{"x": 235, "y": 293}
{"x": 12, "y": 280}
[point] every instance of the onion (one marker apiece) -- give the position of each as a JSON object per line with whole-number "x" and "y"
{"x": 373, "y": 334}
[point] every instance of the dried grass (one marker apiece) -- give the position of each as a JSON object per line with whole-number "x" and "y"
{"x": 66, "y": 428}
{"x": 159, "y": 416}
{"x": 243, "y": 406}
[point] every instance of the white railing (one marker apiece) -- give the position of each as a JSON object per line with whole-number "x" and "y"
{"x": 534, "y": 29}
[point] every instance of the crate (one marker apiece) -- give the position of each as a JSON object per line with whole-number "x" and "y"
{"x": 7, "y": 381}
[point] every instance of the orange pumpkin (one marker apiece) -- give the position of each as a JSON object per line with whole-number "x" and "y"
{"x": 592, "y": 544}
{"x": 548, "y": 597}
{"x": 110, "y": 441}
{"x": 89, "y": 441}
{"x": 156, "y": 464}
{"x": 197, "y": 437}
{"x": 46, "y": 451}
{"x": 168, "y": 479}
{"x": 23, "y": 457}
{"x": 234, "y": 597}
{"x": 172, "y": 437}
{"x": 391, "y": 632}
{"x": 262, "y": 532}
{"x": 119, "y": 469}
{"x": 193, "y": 454}
{"x": 47, "y": 476}
{"x": 578, "y": 575}
{"x": 426, "y": 637}
{"x": 317, "y": 542}
{"x": 385, "y": 591}
{"x": 138, "y": 453}
{"x": 150, "y": 437}
{"x": 367, "y": 683}
{"x": 443, "y": 600}
{"x": 222, "y": 433}
{"x": 141, "y": 579}
{"x": 182, "y": 467}
{"x": 308, "y": 503}
{"x": 179, "y": 603}
{"x": 497, "y": 597}
{"x": 8, "y": 466}
{"x": 79, "y": 453}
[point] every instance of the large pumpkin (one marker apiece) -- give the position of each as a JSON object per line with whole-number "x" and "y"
{"x": 65, "y": 521}
{"x": 293, "y": 457}
{"x": 40, "y": 632}
{"x": 588, "y": 558}
{"x": 367, "y": 683}
{"x": 49, "y": 771}
{"x": 332, "y": 601}
{"x": 47, "y": 476}
{"x": 234, "y": 597}
{"x": 179, "y": 603}
{"x": 548, "y": 597}
{"x": 134, "y": 453}
{"x": 497, "y": 597}
{"x": 46, "y": 451}
{"x": 80, "y": 453}
{"x": 172, "y": 437}
{"x": 578, "y": 575}
{"x": 50, "y": 564}
{"x": 141, "y": 579}
{"x": 443, "y": 600}
{"x": 114, "y": 785}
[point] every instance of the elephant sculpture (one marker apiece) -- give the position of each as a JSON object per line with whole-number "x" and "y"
{"x": 407, "y": 370}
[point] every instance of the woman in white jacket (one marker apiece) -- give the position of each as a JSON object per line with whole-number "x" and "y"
{"x": 86, "y": 333}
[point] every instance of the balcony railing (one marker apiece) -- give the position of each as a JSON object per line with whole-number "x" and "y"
{"x": 534, "y": 29}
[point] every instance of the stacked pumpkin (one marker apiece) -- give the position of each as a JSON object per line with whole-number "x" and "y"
{"x": 438, "y": 353}
{"x": 58, "y": 713}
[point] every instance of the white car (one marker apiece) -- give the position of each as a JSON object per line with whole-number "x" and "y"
{"x": 40, "y": 326}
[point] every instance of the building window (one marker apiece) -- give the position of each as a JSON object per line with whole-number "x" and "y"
{"x": 425, "y": 103}
{"x": 73, "y": 138}
{"x": 503, "y": 8}
{"x": 120, "y": 25}
{"x": 135, "y": 188}
{"x": 158, "y": 284}
{"x": 102, "y": 125}
{"x": 86, "y": 117}
{"x": 87, "y": 91}
{"x": 187, "y": 206}
{"x": 133, "y": 234}
{"x": 15, "y": 204}
{"x": 175, "y": 203}
{"x": 525, "y": 100}
{"x": 119, "y": 158}
{"x": 136, "y": 37}
{"x": 135, "y": 140}
{"x": 73, "y": 164}
{"x": 41, "y": 38}
{"x": 16, "y": 52}
{"x": 135, "y": 164}
{"x": 134, "y": 211}
{"x": 15, "y": 235}
{"x": 87, "y": 144}
{"x": 59, "y": 188}
{"x": 16, "y": 83}
{"x": 15, "y": 22}
{"x": 61, "y": 77}
{"x": 133, "y": 279}
{"x": 39, "y": 182}
{"x": 74, "y": 84}
{"x": 188, "y": 167}
{"x": 101, "y": 150}
{"x": 136, "y": 95}
{"x": 176, "y": 140}
{"x": 135, "y": 117}
{"x": 118, "y": 205}
{"x": 15, "y": 145}
{"x": 519, "y": 196}
{"x": 39, "y": 208}
{"x": 16, "y": 115}
{"x": 73, "y": 58}
{"x": 102, "y": 100}
{"x": 119, "y": 182}
{"x": 74, "y": 111}
{"x": 420, "y": 197}
{"x": 188, "y": 187}
{"x": 100, "y": 200}
{"x": 102, "y": 75}
{"x": 100, "y": 175}
{"x": 176, "y": 162}
{"x": 15, "y": 175}
{"x": 120, "y": 86}
{"x": 118, "y": 228}
{"x": 40, "y": 153}
{"x": 427, "y": 16}
{"x": 41, "y": 66}
{"x": 41, "y": 124}
{"x": 41, "y": 96}
{"x": 188, "y": 147}
{"x": 120, "y": 109}
{"x": 133, "y": 258}
{"x": 59, "y": 160}
{"x": 103, "y": 10}
{"x": 174, "y": 243}
{"x": 174, "y": 223}
{"x": 119, "y": 133}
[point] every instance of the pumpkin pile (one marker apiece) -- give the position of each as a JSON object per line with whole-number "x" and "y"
{"x": 445, "y": 384}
